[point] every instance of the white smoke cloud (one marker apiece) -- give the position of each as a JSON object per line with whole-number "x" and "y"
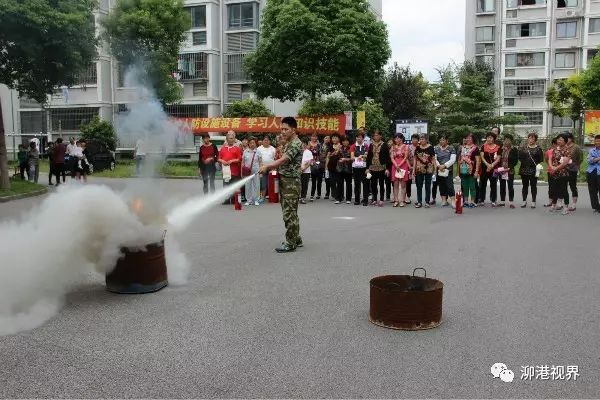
{"x": 78, "y": 230}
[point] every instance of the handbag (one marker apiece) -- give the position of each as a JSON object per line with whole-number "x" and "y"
{"x": 400, "y": 173}
{"x": 444, "y": 173}
{"x": 247, "y": 171}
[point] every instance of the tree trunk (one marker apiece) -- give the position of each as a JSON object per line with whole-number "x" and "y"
{"x": 4, "y": 173}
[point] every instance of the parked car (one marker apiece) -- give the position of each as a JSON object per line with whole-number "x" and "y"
{"x": 100, "y": 157}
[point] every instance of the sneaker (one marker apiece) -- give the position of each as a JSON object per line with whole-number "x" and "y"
{"x": 494, "y": 205}
{"x": 427, "y": 205}
{"x": 524, "y": 205}
{"x": 318, "y": 197}
{"x": 418, "y": 205}
{"x": 247, "y": 203}
{"x": 501, "y": 204}
{"x": 408, "y": 201}
{"x": 256, "y": 203}
{"x": 336, "y": 202}
{"x": 312, "y": 199}
{"x": 432, "y": 203}
{"x": 348, "y": 202}
{"x": 285, "y": 248}
{"x": 302, "y": 201}
{"x": 565, "y": 211}
{"x": 532, "y": 205}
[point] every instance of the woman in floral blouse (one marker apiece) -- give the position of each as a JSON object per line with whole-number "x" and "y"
{"x": 468, "y": 168}
{"x": 557, "y": 167}
{"x": 509, "y": 160}
{"x": 424, "y": 165}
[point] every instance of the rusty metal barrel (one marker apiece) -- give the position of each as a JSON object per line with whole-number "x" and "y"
{"x": 406, "y": 302}
{"x": 139, "y": 270}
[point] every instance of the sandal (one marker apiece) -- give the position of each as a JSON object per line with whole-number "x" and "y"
{"x": 402, "y": 205}
{"x": 396, "y": 204}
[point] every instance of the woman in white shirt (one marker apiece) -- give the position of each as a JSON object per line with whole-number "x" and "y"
{"x": 267, "y": 155}
{"x": 307, "y": 162}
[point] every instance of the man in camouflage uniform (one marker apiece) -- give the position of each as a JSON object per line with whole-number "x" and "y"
{"x": 289, "y": 184}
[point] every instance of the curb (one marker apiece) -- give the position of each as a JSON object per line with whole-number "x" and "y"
{"x": 39, "y": 192}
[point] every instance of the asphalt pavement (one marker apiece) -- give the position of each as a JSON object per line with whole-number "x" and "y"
{"x": 520, "y": 287}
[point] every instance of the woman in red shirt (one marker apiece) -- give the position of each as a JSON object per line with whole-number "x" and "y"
{"x": 207, "y": 163}
{"x": 230, "y": 157}
{"x": 491, "y": 155}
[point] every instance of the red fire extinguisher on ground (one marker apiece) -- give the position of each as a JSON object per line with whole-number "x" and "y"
{"x": 237, "y": 200}
{"x": 273, "y": 187}
{"x": 459, "y": 203}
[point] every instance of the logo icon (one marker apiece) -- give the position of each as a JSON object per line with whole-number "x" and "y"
{"x": 500, "y": 370}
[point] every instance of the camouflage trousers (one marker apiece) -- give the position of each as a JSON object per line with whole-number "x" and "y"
{"x": 290, "y": 193}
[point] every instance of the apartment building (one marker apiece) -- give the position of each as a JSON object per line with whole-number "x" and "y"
{"x": 531, "y": 44}
{"x": 221, "y": 34}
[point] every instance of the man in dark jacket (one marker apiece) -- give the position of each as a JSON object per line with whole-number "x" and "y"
{"x": 58, "y": 160}
{"x": 378, "y": 165}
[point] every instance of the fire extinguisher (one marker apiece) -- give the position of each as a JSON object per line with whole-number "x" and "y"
{"x": 459, "y": 203}
{"x": 273, "y": 187}
{"x": 237, "y": 201}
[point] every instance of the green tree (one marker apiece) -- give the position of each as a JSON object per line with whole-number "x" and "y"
{"x": 406, "y": 94}
{"x": 590, "y": 85}
{"x": 375, "y": 117}
{"x": 566, "y": 99}
{"x": 316, "y": 47}
{"x": 468, "y": 101}
{"x": 247, "y": 108}
{"x": 43, "y": 44}
{"x": 101, "y": 131}
{"x": 334, "y": 105}
{"x": 147, "y": 34}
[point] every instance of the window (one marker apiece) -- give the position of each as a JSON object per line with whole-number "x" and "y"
{"x": 485, "y": 6}
{"x": 71, "y": 119}
{"x": 484, "y": 34}
{"x": 187, "y": 110}
{"x": 485, "y": 59}
{"x": 242, "y": 42}
{"x": 509, "y": 72}
{"x": 88, "y": 76}
{"x": 519, "y": 3}
{"x": 566, "y": 3}
{"x": 31, "y": 121}
{"x": 200, "y": 89}
{"x": 198, "y": 16}
{"x": 198, "y": 38}
{"x": 563, "y": 122}
{"x": 526, "y": 60}
{"x": 242, "y": 15}
{"x": 565, "y": 60}
{"x": 525, "y": 88}
{"x": 193, "y": 66}
{"x": 235, "y": 70}
{"x": 509, "y": 102}
{"x": 591, "y": 53}
{"x": 529, "y": 118}
{"x": 594, "y": 25}
{"x": 526, "y": 30}
{"x": 484, "y": 48}
{"x": 237, "y": 92}
{"x": 566, "y": 30}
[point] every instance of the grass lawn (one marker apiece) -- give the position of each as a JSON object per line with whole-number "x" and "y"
{"x": 18, "y": 186}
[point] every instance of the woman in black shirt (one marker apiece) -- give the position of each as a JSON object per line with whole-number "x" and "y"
{"x": 530, "y": 156}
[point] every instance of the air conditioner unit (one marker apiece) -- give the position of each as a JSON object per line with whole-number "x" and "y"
{"x": 573, "y": 13}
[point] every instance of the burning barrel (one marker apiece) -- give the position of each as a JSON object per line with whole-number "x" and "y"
{"x": 406, "y": 302}
{"x": 139, "y": 270}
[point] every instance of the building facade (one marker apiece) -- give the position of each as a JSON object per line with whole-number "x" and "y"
{"x": 210, "y": 71}
{"x": 531, "y": 44}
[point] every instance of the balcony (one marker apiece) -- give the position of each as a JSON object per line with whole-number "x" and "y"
{"x": 192, "y": 66}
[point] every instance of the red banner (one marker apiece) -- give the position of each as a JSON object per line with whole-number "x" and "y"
{"x": 321, "y": 125}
